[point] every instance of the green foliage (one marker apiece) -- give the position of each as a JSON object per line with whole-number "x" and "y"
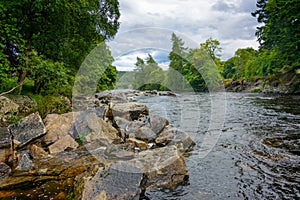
{"x": 62, "y": 33}
{"x": 52, "y": 104}
{"x": 148, "y": 75}
{"x": 238, "y": 66}
{"x": 95, "y": 73}
{"x": 280, "y": 30}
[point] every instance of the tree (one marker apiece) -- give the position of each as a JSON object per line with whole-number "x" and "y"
{"x": 212, "y": 46}
{"x": 148, "y": 75}
{"x": 58, "y": 30}
{"x": 280, "y": 30}
{"x": 175, "y": 75}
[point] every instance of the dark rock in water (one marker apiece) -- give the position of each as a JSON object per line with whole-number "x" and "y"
{"x": 26, "y": 104}
{"x": 29, "y": 129}
{"x": 25, "y": 163}
{"x": 130, "y": 111}
{"x": 120, "y": 182}
{"x": 58, "y": 126}
{"x": 4, "y": 170}
{"x": 174, "y": 136}
{"x": 145, "y": 134}
{"x": 120, "y": 151}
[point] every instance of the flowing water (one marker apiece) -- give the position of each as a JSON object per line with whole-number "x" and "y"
{"x": 256, "y": 155}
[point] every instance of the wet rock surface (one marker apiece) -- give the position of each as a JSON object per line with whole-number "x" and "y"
{"x": 114, "y": 151}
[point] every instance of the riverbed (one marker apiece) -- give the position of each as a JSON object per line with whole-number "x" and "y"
{"x": 254, "y": 154}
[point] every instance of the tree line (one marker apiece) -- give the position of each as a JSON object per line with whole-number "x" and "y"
{"x": 278, "y": 53}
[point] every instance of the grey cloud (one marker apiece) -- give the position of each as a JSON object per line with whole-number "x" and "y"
{"x": 223, "y": 6}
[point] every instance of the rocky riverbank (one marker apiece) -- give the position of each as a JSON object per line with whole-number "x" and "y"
{"x": 116, "y": 149}
{"x": 286, "y": 82}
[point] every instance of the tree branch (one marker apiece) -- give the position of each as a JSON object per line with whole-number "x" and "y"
{"x": 11, "y": 90}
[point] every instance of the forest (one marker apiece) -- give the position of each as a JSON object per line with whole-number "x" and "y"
{"x": 43, "y": 44}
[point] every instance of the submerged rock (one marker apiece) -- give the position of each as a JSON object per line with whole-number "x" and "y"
{"x": 28, "y": 129}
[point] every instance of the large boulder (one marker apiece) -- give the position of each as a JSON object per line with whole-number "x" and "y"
{"x": 164, "y": 167}
{"x": 174, "y": 136}
{"x": 28, "y": 129}
{"x": 120, "y": 182}
{"x": 58, "y": 126}
{"x": 94, "y": 132}
{"x": 130, "y": 111}
{"x": 7, "y": 106}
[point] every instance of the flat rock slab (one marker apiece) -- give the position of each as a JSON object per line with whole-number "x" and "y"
{"x": 120, "y": 182}
{"x": 28, "y": 129}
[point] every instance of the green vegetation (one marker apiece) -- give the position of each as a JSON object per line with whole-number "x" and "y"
{"x": 279, "y": 40}
{"x": 46, "y": 42}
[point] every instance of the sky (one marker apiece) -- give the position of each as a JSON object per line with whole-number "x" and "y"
{"x": 147, "y": 25}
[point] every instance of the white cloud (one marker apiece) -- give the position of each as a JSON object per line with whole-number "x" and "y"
{"x": 228, "y": 21}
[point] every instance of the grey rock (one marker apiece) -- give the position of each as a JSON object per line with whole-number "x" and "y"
{"x": 28, "y": 129}
{"x": 120, "y": 182}
{"x": 145, "y": 134}
{"x": 25, "y": 163}
{"x": 130, "y": 111}
{"x": 4, "y": 170}
{"x": 120, "y": 151}
{"x": 174, "y": 136}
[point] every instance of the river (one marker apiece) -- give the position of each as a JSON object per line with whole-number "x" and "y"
{"x": 254, "y": 155}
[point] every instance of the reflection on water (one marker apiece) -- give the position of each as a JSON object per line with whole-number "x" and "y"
{"x": 256, "y": 157}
